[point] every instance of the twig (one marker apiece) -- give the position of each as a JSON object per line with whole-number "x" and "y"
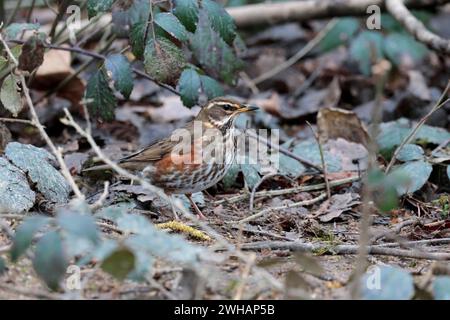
{"x": 61, "y": 11}
{"x": 99, "y": 203}
{"x": 256, "y": 186}
{"x": 414, "y": 26}
{"x": 273, "y": 193}
{"x": 419, "y": 124}
{"x": 276, "y": 12}
{"x": 416, "y": 242}
{"x": 35, "y": 119}
{"x": 343, "y": 249}
{"x": 261, "y": 232}
{"x": 322, "y": 160}
{"x": 300, "y": 54}
{"x": 397, "y": 229}
{"x": 287, "y": 206}
{"x": 290, "y": 154}
{"x": 246, "y": 272}
{"x": 17, "y": 120}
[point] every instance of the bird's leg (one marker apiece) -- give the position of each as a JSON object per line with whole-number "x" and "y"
{"x": 174, "y": 210}
{"x": 194, "y": 205}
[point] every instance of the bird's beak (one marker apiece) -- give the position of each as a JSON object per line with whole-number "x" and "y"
{"x": 247, "y": 108}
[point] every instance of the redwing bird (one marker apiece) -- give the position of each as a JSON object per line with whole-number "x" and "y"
{"x": 184, "y": 167}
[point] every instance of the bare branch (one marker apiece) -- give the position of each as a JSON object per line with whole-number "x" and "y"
{"x": 414, "y": 26}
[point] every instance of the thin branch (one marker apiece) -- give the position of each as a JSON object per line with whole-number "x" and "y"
{"x": 256, "y": 186}
{"x": 322, "y": 160}
{"x": 285, "y": 151}
{"x": 35, "y": 119}
{"x": 398, "y": 227}
{"x": 99, "y": 203}
{"x": 300, "y": 54}
{"x": 440, "y": 103}
{"x": 273, "y": 193}
{"x": 414, "y": 26}
{"x": 279, "y": 208}
{"x": 17, "y": 120}
{"x": 277, "y": 12}
{"x": 344, "y": 249}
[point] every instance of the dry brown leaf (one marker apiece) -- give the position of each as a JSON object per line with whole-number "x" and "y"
{"x": 336, "y": 205}
{"x": 55, "y": 68}
{"x": 336, "y": 123}
{"x": 353, "y": 155}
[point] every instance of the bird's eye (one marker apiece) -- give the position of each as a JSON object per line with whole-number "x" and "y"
{"x": 227, "y": 107}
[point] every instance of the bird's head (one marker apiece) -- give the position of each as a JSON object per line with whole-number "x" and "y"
{"x": 222, "y": 112}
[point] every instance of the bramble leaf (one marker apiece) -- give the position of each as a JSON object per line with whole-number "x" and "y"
{"x": 121, "y": 71}
{"x": 169, "y": 23}
{"x": 163, "y": 60}
{"x": 99, "y": 96}
{"x": 25, "y": 233}
{"x": 49, "y": 260}
{"x": 10, "y": 96}
{"x": 95, "y": 7}
{"x": 212, "y": 51}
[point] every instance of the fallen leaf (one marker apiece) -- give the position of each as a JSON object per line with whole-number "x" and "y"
{"x": 336, "y": 123}
{"x": 171, "y": 110}
{"x": 336, "y": 205}
{"x": 353, "y": 155}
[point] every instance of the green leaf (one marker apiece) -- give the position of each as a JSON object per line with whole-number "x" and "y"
{"x": 309, "y": 149}
{"x": 394, "y": 132}
{"x": 384, "y": 189}
{"x": 10, "y": 96}
{"x": 122, "y": 74}
{"x": 387, "y": 283}
{"x": 187, "y": 12}
{"x": 212, "y": 52}
{"x": 16, "y": 195}
{"x": 99, "y": 96}
{"x": 137, "y": 35}
{"x": 95, "y": 7}
{"x": 417, "y": 172}
{"x": 221, "y": 21}
{"x": 230, "y": 177}
{"x": 163, "y": 60}
{"x": 190, "y": 87}
{"x": 441, "y": 288}
{"x": 120, "y": 263}
{"x": 344, "y": 29}
{"x": 79, "y": 225}
{"x": 14, "y": 29}
{"x": 410, "y": 152}
{"x": 365, "y": 48}
{"x": 211, "y": 87}
{"x": 250, "y": 172}
{"x": 169, "y": 23}
{"x": 32, "y": 55}
{"x": 49, "y": 260}
{"x": 36, "y": 162}
{"x": 401, "y": 48}
{"x": 2, "y": 266}
{"x": 138, "y": 12}
{"x": 192, "y": 84}
{"x": 25, "y": 233}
